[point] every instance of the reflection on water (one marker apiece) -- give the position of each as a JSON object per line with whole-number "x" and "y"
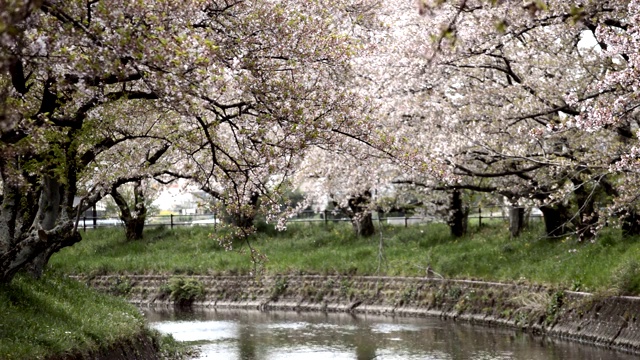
{"x": 253, "y": 335}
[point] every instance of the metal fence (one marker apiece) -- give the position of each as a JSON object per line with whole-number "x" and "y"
{"x": 172, "y": 220}
{"x": 478, "y": 216}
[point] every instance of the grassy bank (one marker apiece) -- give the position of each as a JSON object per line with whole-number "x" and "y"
{"x": 487, "y": 253}
{"x": 55, "y": 316}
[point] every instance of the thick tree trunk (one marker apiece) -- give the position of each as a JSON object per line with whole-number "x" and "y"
{"x": 242, "y": 220}
{"x": 630, "y": 223}
{"x": 134, "y": 228}
{"x": 556, "y": 220}
{"x": 36, "y": 216}
{"x": 458, "y": 215}
{"x": 587, "y": 219}
{"x": 135, "y": 218}
{"x": 363, "y": 224}
{"x": 35, "y": 245}
{"x": 516, "y": 220}
{"x": 629, "y": 217}
{"x": 61, "y": 239}
{"x": 361, "y": 218}
{"x": 48, "y": 213}
{"x": 31, "y": 231}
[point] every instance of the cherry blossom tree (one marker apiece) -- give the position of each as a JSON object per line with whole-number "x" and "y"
{"x": 250, "y": 84}
{"x": 394, "y": 149}
{"x": 497, "y": 97}
{"x": 133, "y": 200}
{"x": 499, "y": 91}
{"x": 348, "y": 177}
{"x": 257, "y": 142}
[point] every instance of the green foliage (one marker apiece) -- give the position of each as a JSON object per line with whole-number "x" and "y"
{"x": 120, "y": 286}
{"x": 55, "y": 315}
{"x": 626, "y": 278}
{"x": 553, "y": 308}
{"x": 278, "y": 289}
{"x": 408, "y": 295}
{"x": 263, "y": 228}
{"x": 454, "y": 292}
{"x": 345, "y": 288}
{"x": 170, "y": 348}
{"x": 576, "y": 285}
{"x": 184, "y": 291}
{"x": 487, "y": 253}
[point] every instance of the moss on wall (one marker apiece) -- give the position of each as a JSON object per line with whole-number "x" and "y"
{"x": 608, "y": 321}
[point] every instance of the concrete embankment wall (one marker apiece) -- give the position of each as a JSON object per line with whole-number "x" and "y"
{"x": 608, "y": 321}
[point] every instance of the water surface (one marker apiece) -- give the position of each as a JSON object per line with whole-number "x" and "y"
{"x": 249, "y": 335}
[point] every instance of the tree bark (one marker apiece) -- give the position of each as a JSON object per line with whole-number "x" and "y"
{"x": 134, "y": 229}
{"x": 361, "y": 218}
{"x": 556, "y": 219}
{"x": 630, "y": 222}
{"x": 629, "y": 217}
{"x": 29, "y": 237}
{"x": 458, "y": 215}
{"x": 516, "y": 220}
{"x": 135, "y": 218}
{"x": 65, "y": 236}
{"x": 48, "y": 213}
{"x": 587, "y": 219}
{"x": 363, "y": 224}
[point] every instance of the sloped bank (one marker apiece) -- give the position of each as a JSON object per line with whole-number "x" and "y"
{"x": 607, "y": 321}
{"x": 143, "y": 346}
{"x": 55, "y": 317}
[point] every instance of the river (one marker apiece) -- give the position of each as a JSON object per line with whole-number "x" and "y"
{"x": 249, "y": 335}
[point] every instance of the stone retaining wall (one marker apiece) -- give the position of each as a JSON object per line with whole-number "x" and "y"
{"x": 604, "y": 321}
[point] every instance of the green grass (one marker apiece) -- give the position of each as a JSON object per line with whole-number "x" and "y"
{"x": 55, "y": 315}
{"x": 487, "y": 253}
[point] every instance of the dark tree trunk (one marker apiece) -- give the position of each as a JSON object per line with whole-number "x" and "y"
{"x": 516, "y": 221}
{"x": 527, "y": 218}
{"x": 361, "y": 218}
{"x": 242, "y": 220}
{"x": 54, "y": 221}
{"x": 135, "y": 218}
{"x": 458, "y": 215}
{"x": 363, "y": 224}
{"x": 48, "y": 213}
{"x": 62, "y": 239}
{"x": 134, "y": 228}
{"x": 630, "y": 222}
{"x": 246, "y": 217}
{"x": 33, "y": 225}
{"x": 556, "y": 219}
{"x": 587, "y": 219}
{"x": 629, "y": 217}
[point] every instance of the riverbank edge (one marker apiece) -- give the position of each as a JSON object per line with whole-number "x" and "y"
{"x": 144, "y": 345}
{"x": 603, "y": 320}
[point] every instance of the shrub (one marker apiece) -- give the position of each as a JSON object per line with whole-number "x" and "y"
{"x": 183, "y": 292}
{"x": 279, "y": 288}
{"x": 553, "y": 308}
{"x": 121, "y": 286}
{"x": 626, "y": 278}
